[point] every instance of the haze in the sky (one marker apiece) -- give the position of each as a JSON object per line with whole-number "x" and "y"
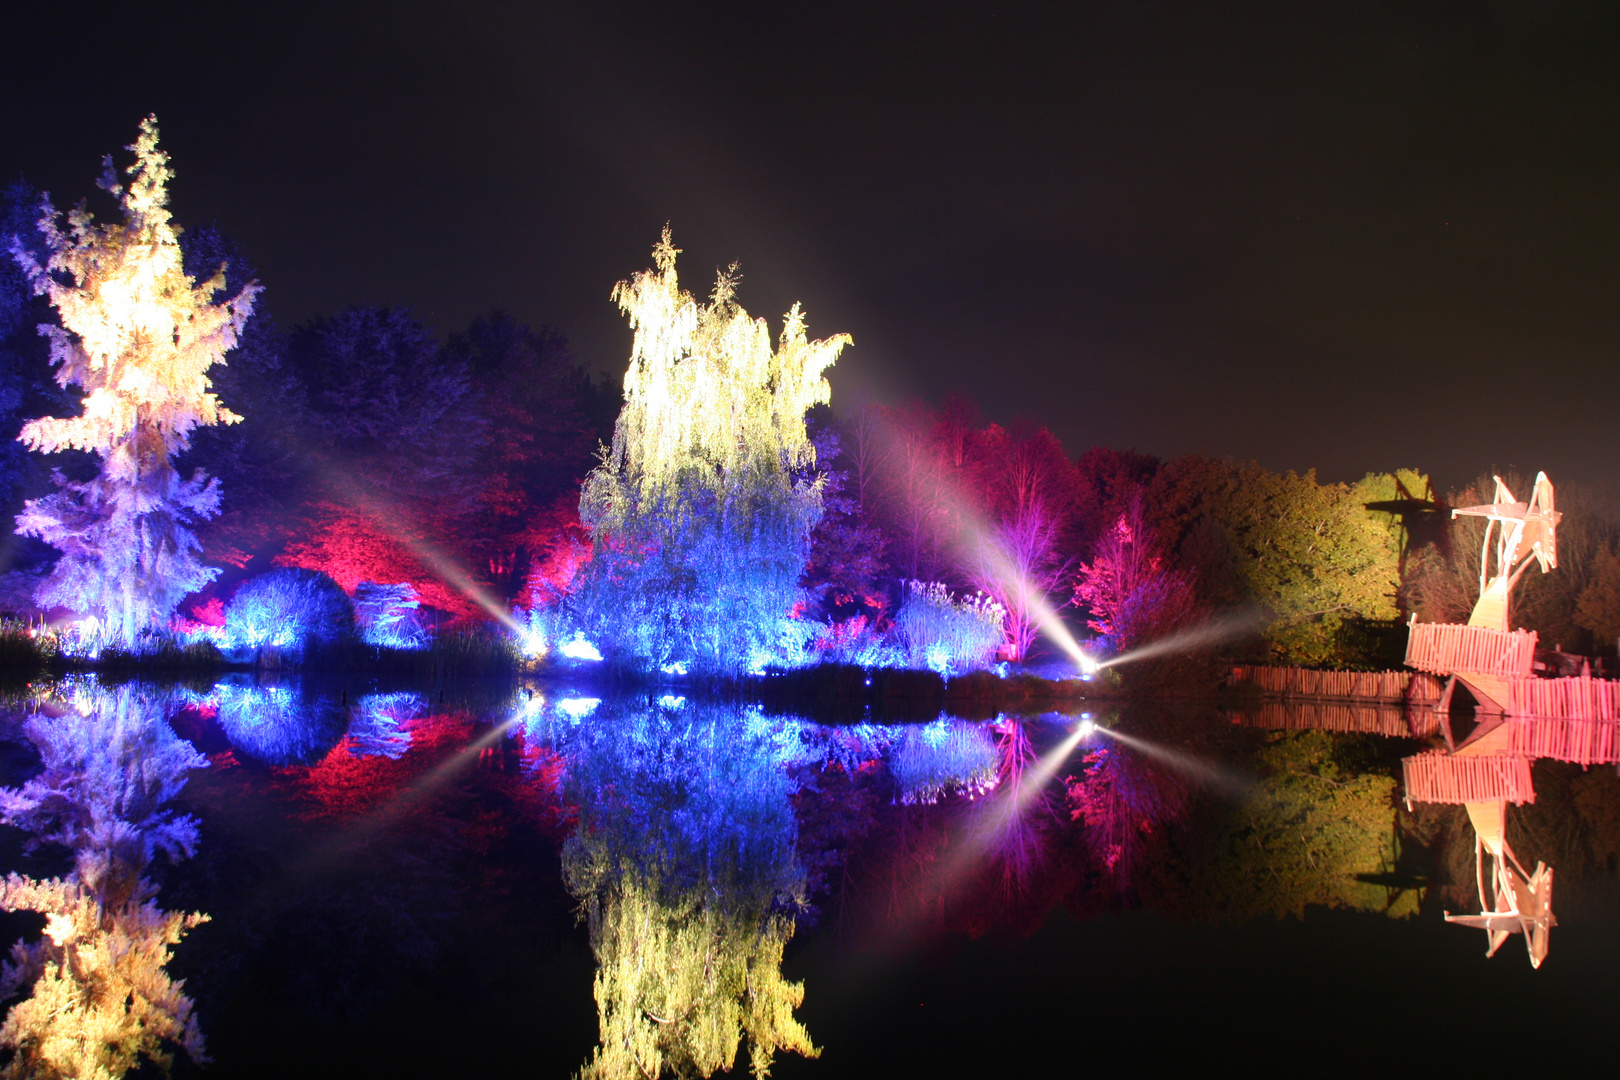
{"x": 1343, "y": 239}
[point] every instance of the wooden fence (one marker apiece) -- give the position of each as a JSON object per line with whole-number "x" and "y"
{"x": 1579, "y": 698}
{"x": 1442, "y": 648}
{"x": 1439, "y": 777}
{"x": 1583, "y": 742}
{"x": 1390, "y": 686}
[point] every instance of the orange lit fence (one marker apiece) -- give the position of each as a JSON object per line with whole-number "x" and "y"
{"x": 1442, "y": 648}
{"x": 1438, "y": 777}
{"x": 1583, "y": 742}
{"x": 1391, "y": 686}
{"x": 1580, "y": 698}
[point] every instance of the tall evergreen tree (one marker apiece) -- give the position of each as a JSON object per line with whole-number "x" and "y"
{"x": 138, "y": 336}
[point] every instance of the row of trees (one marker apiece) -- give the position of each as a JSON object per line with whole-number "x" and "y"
{"x": 357, "y": 444}
{"x": 362, "y": 446}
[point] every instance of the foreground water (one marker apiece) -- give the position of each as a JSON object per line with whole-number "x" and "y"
{"x": 532, "y": 879}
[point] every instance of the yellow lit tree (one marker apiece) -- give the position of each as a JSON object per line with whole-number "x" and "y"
{"x": 701, "y": 511}
{"x": 138, "y": 335}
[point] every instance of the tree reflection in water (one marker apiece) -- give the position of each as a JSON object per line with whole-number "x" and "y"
{"x": 683, "y": 863}
{"x": 99, "y": 997}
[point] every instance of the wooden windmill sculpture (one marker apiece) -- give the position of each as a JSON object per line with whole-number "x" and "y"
{"x": 1484, "y": 773}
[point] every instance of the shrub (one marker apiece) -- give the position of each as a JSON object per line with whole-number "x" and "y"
{"x": 287, "y": 608}
{"x": 935, "y": 630}
{"x": 389, "y": 616}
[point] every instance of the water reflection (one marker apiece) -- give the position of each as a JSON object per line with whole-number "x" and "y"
{"x": 684, "y": 864}
{"x": 98, "y": 997}
{"x": 697, "y": 839}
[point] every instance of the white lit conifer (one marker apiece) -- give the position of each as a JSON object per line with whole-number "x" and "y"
{"x": 138, "y": 335}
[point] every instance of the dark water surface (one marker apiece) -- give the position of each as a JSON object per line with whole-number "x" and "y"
{"x": 427, "y": 884}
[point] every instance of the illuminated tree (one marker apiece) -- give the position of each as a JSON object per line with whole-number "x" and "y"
{"x": 1132, "y": 596}
{"x": 138, "y": 335}
{"x": 701, "y": 528}
{"x": 98, "y": 996}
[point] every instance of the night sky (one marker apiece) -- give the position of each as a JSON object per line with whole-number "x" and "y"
{"x": 1348, "y": 239}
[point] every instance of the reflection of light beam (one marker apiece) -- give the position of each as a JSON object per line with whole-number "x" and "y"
{"x": 349, "y": 840}
{"x": 1007, "y": 810}
{"x": 1200, "y": 770}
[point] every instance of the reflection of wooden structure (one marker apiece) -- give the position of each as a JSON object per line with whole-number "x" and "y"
{"x": 1392, "y": 687}
{"x": 1348, "y": 717}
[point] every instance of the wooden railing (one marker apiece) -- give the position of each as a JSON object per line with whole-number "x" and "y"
{"x": 1442, "y": 648}
{"x": 1439, "y": 777}
{"x": 1390, "y": 686}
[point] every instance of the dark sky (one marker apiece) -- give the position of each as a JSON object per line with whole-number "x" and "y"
{"x": 1345, "y": 238}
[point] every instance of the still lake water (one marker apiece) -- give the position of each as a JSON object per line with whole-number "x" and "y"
{"x": 443, "y": 883}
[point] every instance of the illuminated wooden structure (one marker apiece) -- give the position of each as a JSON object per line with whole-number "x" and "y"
{"x": 1492, "y": 767}
{"x": 1486, "y": 656}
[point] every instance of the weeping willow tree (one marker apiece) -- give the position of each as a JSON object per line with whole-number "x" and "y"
{"x": 701, "y": 511}
{"x": 138, "y": 335}
{"x": 684, "y": 864}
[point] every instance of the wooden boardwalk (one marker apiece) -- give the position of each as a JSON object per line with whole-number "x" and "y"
{"x": 1445, "y": 648}
{"x": 1578, "y": 698}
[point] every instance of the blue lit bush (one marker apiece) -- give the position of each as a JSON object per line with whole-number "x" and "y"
{"x": 288, "y": 608}
{"x": 377, "y": 724}
{"x": 947, "y": 634}
{"x": 700, "y": 583}
{"x": 389, "y": 616}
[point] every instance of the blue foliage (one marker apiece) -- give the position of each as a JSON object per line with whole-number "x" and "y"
{"x": 944, "y": 757}
{"x": 279, "y": 725}
{"x": 377, "y": 724}
{"x": 287, "y": 608}
{"x": 389, "y": 616}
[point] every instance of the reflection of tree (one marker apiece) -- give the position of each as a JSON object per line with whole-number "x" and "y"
{"x": 100, "y": 998}
{"x": 1125, "y": 802}
{"x": 684, "y": 864}
{"x": 1302, "y": 835}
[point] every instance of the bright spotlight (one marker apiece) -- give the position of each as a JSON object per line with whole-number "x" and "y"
{"x": 580, "y": 649}
{"x": 533, "y": 644}
{"x": 1085, "y": 728}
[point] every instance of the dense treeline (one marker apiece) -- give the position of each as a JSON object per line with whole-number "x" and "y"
{"x": 371, "y": 450}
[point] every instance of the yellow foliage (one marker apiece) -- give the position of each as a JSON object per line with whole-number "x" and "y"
{"x": 101, "y": 999}
{"x": 707, "y": 400}
{"x": 682, "y": 978}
